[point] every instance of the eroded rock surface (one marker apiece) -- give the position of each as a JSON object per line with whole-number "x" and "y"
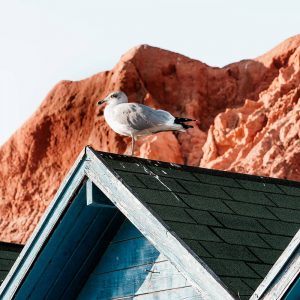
{"x": 248, "y": 121}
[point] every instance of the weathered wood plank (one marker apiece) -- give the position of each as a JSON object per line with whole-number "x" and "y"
{"x": 132, "y": 267}
{"x": 186, "y": 293}
{"x": 78, "y": 258}
{"x": 93, "y": 257}
{"x": 60, "y": 247}
{"x": 127, "y": 254}
{"x": 127, "y": 231}
{"x": 138, "y": 280}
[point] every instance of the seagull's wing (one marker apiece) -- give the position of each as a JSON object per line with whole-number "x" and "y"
{"x": 141, "y": 117}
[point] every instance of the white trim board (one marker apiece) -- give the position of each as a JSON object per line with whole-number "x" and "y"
{"x": 282, "y": 274}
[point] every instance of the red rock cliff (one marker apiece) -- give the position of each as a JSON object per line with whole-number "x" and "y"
{"x": 248, "y": 112}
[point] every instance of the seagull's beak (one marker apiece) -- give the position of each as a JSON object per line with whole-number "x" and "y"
{"x": 101, "y": 101}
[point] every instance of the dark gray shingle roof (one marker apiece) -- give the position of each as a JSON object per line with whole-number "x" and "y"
{"x": 8, "y": 254}
{"x": 237, "y": 224}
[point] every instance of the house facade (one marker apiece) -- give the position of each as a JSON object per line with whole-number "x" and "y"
{"x": 128, "y": 228}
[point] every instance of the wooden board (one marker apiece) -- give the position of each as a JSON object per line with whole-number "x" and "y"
{"x": 186, "y": 293}
{"x": 145, "y": 279}
{"x": 131, "y": 267}
{"x": 127, "y": 254}
{"x": 127, "y": 232}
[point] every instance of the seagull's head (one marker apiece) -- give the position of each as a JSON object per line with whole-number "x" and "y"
{"x": 114, "y": 97}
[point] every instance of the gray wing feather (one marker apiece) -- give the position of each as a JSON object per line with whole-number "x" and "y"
{"x": 140, "y": 116}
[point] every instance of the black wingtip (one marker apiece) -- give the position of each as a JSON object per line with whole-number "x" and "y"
{"x": 182, "y": 120}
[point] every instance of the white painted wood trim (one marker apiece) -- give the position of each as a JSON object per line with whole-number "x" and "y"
{"x": 282, "y": 274}
{"x": 90, "y": 197}
{"x": 167, "y": 242}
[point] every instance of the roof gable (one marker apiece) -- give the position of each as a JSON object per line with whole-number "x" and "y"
{"x": 210, "y": 224}
{"x": 237, "y": 224}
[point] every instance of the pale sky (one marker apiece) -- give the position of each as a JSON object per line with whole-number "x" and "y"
{"x": 43, "y": 42}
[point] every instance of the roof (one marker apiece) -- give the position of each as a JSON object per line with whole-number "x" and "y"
{"x": 224, "y": 231}
{"x": 8, "y": 254}
{"x": 238, "y": 224}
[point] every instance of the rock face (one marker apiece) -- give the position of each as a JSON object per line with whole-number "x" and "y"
{"x": 248, "y": 121}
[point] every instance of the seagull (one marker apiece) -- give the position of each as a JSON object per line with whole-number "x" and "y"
{"x": 134, "y": 119}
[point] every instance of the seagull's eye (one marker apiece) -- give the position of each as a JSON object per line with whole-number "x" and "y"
{"x": 115, "y": 95}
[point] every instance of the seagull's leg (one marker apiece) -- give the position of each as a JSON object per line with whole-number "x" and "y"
{"x": 132, "y": 145}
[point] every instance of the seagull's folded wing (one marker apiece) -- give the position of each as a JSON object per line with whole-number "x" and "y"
{"x": 141, "y": 117}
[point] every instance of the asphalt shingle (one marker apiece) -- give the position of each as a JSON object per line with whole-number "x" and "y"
{"x": 131, "y": 179}
{"x": 172, "y": 173}
{"x": 159, "y": 197}
{"x": 236, "y": 237}
{"x": 286, "y": 201}
{"x": 197, "y": 248}
{"x": 204, "y": 203}
{"x": 202, "y": 189}
{"x": 227, "y": 251}
{"x": 252, "y": 282}
{"x": 118, "y": 163}
{"x": 237, "y": 269}
{"x": 191, "y": 231}
{"x": 276, "y": 241}
{"x": 260, "y": 269}
{"x": 286, "y": 214}
{"x": 161, "y": 183}
{"x": 238, "y": 286}
{"x": 260, "y": 186}
{"x": 203, "y": 217}
{"x": 266, "y": 255}
{"x": 279, "y": 227}
{"x": 290, "y": 190}
{"x": 239, "y": 222}
{"x": 249, "y": 196}
{"x": 217, "y": 180}
{"x": 8, "y": 255}
{"x": 172, "y": 213}
{"x": 250, "y": 210}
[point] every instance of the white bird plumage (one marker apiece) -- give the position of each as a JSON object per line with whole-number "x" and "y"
{"x": 134, "y": 119}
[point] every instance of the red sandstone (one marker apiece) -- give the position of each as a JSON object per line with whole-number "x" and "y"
{"x": 248, "y": 112}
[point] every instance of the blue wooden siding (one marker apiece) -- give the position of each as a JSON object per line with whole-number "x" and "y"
{"x": 131, "y": 267}
{"x": 294, "y": 292}
{"x": 71, "y": 251}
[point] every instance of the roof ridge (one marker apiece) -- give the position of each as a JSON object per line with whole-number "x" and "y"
{"x": 215, "y": 172}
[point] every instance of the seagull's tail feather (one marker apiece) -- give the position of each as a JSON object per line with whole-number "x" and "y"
{"x": 181, "y": 121}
